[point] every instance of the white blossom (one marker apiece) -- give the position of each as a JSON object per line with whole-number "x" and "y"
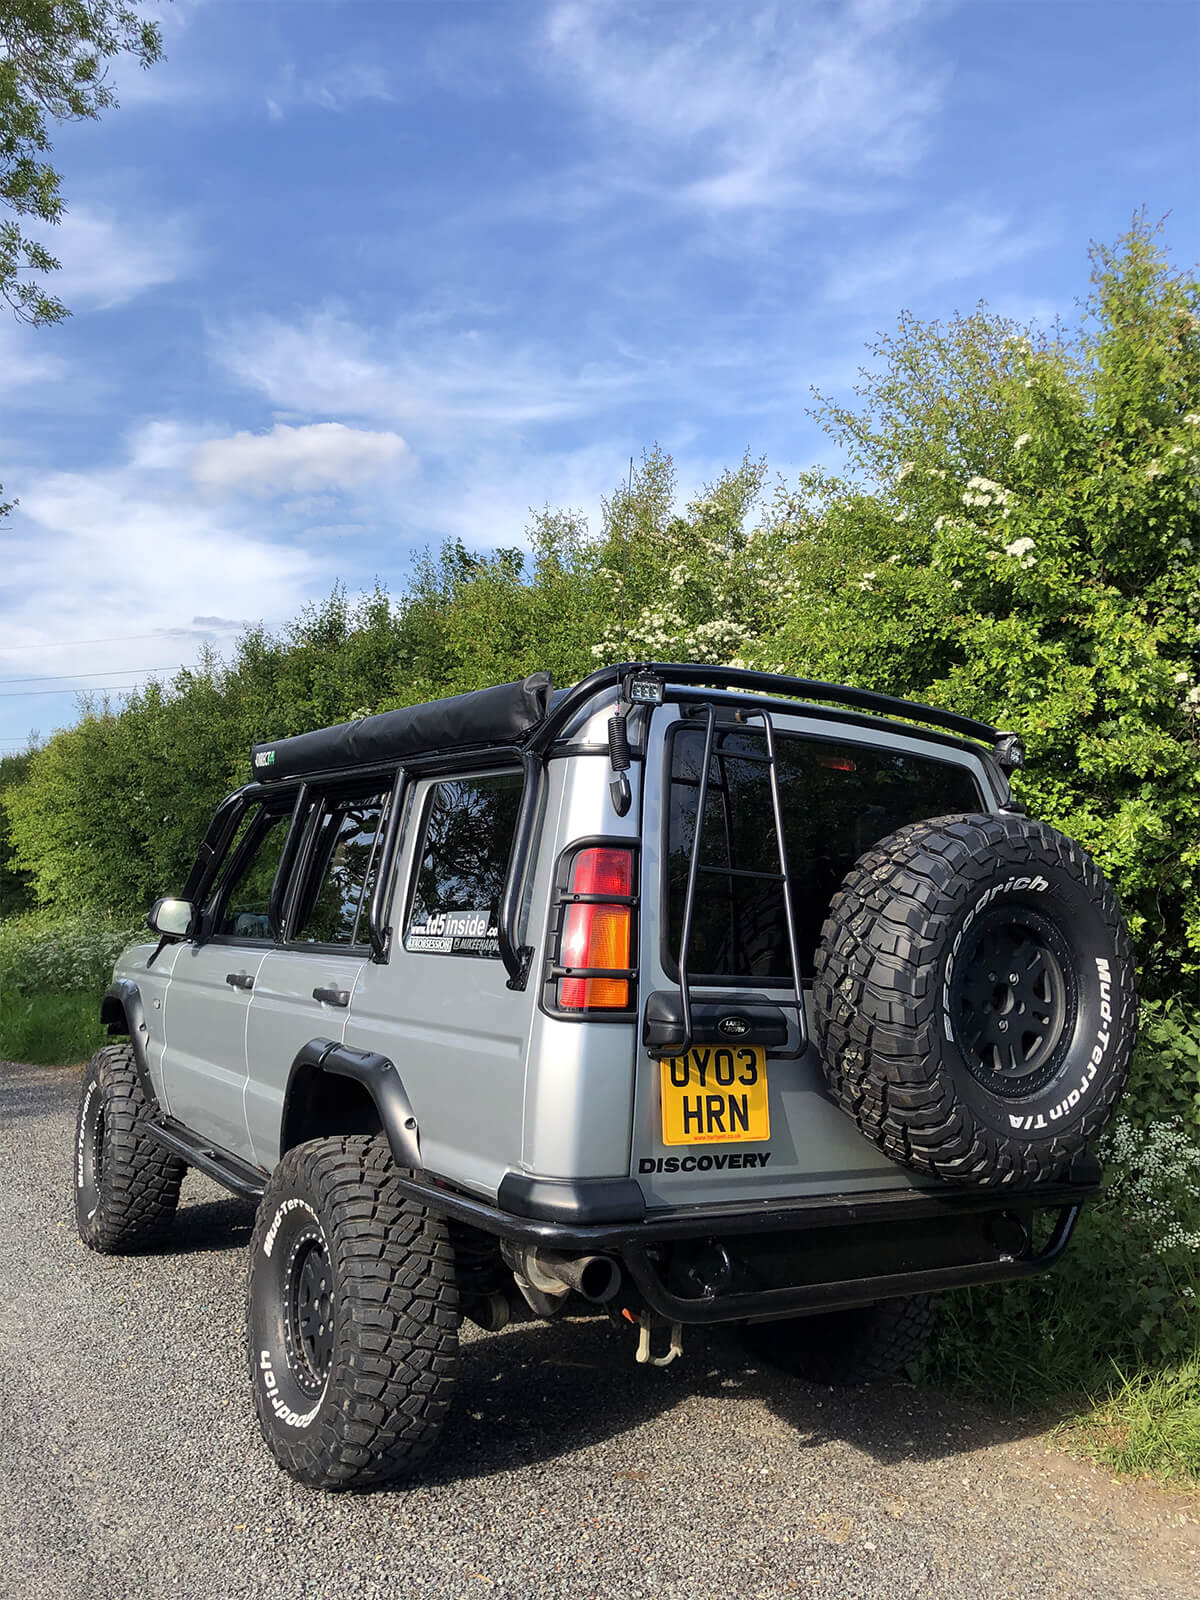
{"x": 1018, "y": 547}
{"x": 904, "y": 470}
{"x": 1192, "y": 418}
{"x": 1021, "y": 441}
{"x": 1182, "y": 677}
{"x": 956, "y": 583}
{"x": 1155, "y": 470}
{"x": 1192, "y": 697}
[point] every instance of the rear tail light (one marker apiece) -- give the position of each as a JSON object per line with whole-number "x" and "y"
{"x": 596, "y": 943}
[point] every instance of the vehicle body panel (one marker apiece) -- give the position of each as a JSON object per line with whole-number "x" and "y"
{"x": 284, "y": 1015}
{"x": 204, "y": 1065}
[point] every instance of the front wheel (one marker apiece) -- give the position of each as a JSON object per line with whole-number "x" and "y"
{"x": 126, "y": 1185}
{"x": 352, "y": 1317}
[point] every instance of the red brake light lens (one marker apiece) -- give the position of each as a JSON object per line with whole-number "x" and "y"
{"x": 602, "y": 871}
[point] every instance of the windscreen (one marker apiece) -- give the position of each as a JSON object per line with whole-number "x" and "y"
{"x": 837, "y": 801}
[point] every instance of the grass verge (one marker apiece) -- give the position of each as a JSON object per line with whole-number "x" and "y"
{"x": 1148, "y": 1426}
{"x": 49, "y": 1029}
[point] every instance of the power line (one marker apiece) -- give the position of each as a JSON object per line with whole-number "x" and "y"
{"x": 116, "y": 638}
{"x": 103, "y": 688}
{"x": 108, "y": 672}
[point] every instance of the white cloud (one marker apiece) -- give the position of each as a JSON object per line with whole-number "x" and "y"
{"x": 111, "y": 555}
{"x": 317, "y": 456}
{"x": 337, "y": 89}
{"x": 108, "y": 260}
{"x": 26, "y": 358}
{"x": 419, "y": 373}
{"x": 731, "y": 110}
{"x": 958, "y": 245}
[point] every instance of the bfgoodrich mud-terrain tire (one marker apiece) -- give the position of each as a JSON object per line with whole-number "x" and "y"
{"x": 974, "y": 999}
{"x": 865, "y": 1344}
{"x": 352, "y": 1317}
{"x": 126, "y": 1186}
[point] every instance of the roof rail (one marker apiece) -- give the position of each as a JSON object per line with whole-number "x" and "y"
{"x": 693, "y": 674}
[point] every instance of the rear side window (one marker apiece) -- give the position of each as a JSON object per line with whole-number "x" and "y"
{"x": 343, "y": 866}
{"x": 463, "y": 860}
{"x": 837, "y": 801}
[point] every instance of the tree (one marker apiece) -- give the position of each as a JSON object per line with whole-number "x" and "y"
{"x": 53, "y": 58}
{"x": 1026, "y": 548}
{"x": 14, "y": 887}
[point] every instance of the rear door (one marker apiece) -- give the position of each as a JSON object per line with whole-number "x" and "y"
{"x": 441, "y": 1007}
{"x": 709, "y": 1128}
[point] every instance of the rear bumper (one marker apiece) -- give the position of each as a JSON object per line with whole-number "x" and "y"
{"x": 736, "y": 1263}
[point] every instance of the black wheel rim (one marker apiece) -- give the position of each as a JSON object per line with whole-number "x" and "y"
{"x": 310, "y": 1323}
{"x": 1012, "y": 1000}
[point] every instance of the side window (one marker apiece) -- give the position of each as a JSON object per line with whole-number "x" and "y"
{"x": 343, "y": 865}
{"x": 469, "y": 826}
{"x": 245, "y": 891}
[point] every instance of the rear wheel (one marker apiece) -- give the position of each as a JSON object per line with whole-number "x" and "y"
{"x": 352, "y": 1317}
{"x": 126, "y": 1185}
{"x": 865, "y": 1344}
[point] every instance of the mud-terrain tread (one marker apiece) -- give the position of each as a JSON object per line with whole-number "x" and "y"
{"x": 140, "y": 1182}
{"x": 876, "y": 999}
{"x": 397, "y": 1343}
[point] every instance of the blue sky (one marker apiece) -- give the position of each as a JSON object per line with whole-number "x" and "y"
{"x": 353, "y": 276}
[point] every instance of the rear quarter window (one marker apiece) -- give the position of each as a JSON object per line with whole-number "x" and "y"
{"x": 465, "y": 844}
{"x": 838, "y": 799}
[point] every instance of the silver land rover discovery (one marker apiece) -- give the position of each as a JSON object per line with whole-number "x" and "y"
{"x": 685, "y": 995}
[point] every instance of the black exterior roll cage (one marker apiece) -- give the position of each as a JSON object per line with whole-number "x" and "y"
{"x": 758, "y": 692}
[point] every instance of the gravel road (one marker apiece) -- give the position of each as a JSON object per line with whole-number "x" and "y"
{"x": 130, "y": 1462}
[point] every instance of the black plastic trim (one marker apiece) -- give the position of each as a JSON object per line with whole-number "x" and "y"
{"x": 572, "y": 1201}
{"x": 663, "y": 1029}
{"x": 378, "y": 1076}
{"x": 122, "y": 1011}
{"x": 235, "y": 1174}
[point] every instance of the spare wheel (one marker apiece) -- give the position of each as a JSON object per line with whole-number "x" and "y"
{"x": 974, "y": 1002}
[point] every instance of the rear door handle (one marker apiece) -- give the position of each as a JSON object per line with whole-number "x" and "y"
{"x": 239, "y": 980}
{"x": 332, "y": 997}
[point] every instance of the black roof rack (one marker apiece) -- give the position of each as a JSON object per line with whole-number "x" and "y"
{"x": 692, "y": 674}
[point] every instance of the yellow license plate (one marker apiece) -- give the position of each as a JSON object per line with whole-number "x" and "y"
{"x": 716, "y": 1094}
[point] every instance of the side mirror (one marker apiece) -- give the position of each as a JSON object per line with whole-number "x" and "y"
{"x": 173, "y": 917}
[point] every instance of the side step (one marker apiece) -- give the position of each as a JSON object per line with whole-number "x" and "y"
{"x": 237, "y": 1175}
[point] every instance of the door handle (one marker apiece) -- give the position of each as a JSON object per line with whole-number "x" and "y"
{"x": 332, "y": 997}
{"x": 239, "y": 980}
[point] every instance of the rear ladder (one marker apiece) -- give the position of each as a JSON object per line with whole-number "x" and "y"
{"x": 782, "y": 877}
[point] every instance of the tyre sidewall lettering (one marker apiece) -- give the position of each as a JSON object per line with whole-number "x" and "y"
{"x": 1091, "y": 1037}
{"x": 290, "y": 1406}
{"x": 83, "y": 1133}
